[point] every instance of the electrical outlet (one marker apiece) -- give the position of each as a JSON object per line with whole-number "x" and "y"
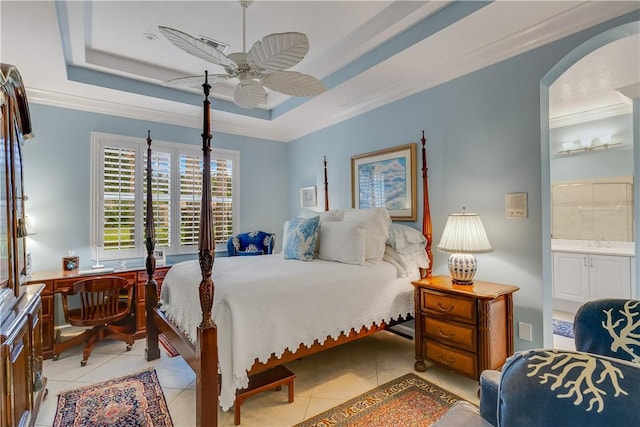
{"x": 525, "y": 331}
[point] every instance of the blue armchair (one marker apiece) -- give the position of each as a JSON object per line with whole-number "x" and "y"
{"x": 604, "y": 329}
{"x": 610, "y": 327}
{"x": 252, "y": 243}
{"x": 558, "y": 388}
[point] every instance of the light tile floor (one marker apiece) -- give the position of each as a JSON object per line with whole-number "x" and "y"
{"x": 322, "y": 381}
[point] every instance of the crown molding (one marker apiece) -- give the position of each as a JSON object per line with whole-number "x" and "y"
{"x": 222, "y": 123}
{"x": 591, "y": 115}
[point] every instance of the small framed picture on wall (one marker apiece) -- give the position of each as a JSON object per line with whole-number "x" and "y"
{"x": 308, "y": 197}
{"x": 160, "y": 254}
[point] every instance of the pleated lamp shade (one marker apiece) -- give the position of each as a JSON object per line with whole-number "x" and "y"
{"x": 462, "y": 237}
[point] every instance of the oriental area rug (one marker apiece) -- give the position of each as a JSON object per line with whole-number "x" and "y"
{"x": 405, "y": 401}
{"x": 563, "y": 328}
{"x": 167, "y": 346}
{"x": 132, "y": 400}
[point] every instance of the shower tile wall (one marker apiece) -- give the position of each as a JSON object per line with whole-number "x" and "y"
{"x": 593, "y": 211}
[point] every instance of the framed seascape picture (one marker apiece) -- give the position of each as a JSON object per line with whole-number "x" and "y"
{"x": 386, "y": 178}
{"x": 308, "y": 197}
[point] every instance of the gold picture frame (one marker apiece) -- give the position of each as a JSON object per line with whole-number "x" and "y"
{"x": 386, "y": 178}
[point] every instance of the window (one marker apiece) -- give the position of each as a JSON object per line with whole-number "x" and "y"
{"x": 119, "y": 195}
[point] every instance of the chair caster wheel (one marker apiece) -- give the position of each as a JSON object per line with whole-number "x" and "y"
{"x": 128, "y": 347}
{"x": 83, "y": 363}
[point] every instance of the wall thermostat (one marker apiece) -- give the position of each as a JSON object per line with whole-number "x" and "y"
{"x": 516, "y": 204}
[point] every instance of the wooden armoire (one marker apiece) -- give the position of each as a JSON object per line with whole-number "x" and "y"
{"x": 22, "y": 384}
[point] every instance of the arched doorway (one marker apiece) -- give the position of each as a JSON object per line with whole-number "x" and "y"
{"x": 561, "y": 67}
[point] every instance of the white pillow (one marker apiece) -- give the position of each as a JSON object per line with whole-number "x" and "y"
{"x": 332, "y": 215}
{"x": 377, "y": 221}
{"x": 343, "y": 242}
{"x": 405, "y": 239}
{"x": 284, "y": 234}
{"x": 406, "y": 264}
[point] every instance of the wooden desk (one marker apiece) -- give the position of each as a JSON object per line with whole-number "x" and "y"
{"x": 56, "y": 280}
{"x": 465, "y": 328}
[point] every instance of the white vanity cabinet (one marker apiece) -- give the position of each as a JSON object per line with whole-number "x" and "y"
{"x": 580, "y": 277}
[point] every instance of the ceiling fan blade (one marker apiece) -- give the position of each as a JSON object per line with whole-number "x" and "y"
{"x": 279, "y": 51}
{"x": 194, "y": 81}
{"x": 248, "y": 94}
{"x": 293, "y": 83}
{"x": 196, "y": 47}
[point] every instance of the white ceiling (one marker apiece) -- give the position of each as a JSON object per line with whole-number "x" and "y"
{"x": 591, "y": 85}
{"x": 97, "y": 56}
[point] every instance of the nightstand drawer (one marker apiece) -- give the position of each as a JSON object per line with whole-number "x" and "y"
{"x": 449, "y": 305}
{"x": 451, "y": 333}
{"x": 458, "y": 360}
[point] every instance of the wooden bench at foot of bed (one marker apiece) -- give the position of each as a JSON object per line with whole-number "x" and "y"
{"x": 273, "y": 378}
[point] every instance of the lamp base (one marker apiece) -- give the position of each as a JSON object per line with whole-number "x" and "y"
{"x": 462, "y": 268}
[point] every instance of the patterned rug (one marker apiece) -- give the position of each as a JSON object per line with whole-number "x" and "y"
{"x": 405, "y": 401}
{"x": 563, "y": 328}
{"x": 132, "y": 400}
{"x": 167, "y": 346}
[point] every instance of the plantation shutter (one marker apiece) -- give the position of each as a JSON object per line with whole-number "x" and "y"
{"x": 119, "y": 184}
{"x": 190, "y": 199}
{"x": 221, "y": 188}
{"x": 161, "y": 192}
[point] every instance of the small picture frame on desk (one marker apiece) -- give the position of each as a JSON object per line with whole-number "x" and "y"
{"x": 70, "y": 263}
{"x": 160, "y": 254}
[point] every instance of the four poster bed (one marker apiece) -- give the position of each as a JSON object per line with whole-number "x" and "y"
{"x": 268, "y": 298}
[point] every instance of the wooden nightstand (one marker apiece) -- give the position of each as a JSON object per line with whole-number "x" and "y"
{"x": 466, "y": 328}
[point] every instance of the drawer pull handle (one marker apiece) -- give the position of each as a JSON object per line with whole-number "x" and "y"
{"x": 444, "y": 335}
{"x": 443, "y": 308}
{"x": 447, "y": 362}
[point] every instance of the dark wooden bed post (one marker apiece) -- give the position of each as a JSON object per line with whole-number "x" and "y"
{"x": 326, "y": 187}
{"x": 151, "y": 297}
{"x": 207, "y": 346}
{"x": 426, "y": 215}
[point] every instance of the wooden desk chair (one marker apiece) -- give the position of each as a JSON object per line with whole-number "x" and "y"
{"x": 105, "y": 305}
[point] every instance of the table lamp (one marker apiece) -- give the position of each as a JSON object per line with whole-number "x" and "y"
{"x": 462, "y": 237}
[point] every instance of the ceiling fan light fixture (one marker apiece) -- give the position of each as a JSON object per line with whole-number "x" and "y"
{"x": 248, "y": 94}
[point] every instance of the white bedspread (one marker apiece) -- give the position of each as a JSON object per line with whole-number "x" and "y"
{"x": 267, "y": 304}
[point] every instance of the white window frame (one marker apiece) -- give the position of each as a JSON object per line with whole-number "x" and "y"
{"x": 101, "y": 140}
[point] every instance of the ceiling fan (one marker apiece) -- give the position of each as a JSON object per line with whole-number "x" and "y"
{"x": 263, "y": 66}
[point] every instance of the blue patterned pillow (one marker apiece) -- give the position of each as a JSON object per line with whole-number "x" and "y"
{"x": 250, "y": 253}
{"x": 301, "y": 235}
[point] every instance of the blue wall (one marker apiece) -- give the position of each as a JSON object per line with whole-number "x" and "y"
{"x": 57, "y": 174}
{"x": 484, "y": 141}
